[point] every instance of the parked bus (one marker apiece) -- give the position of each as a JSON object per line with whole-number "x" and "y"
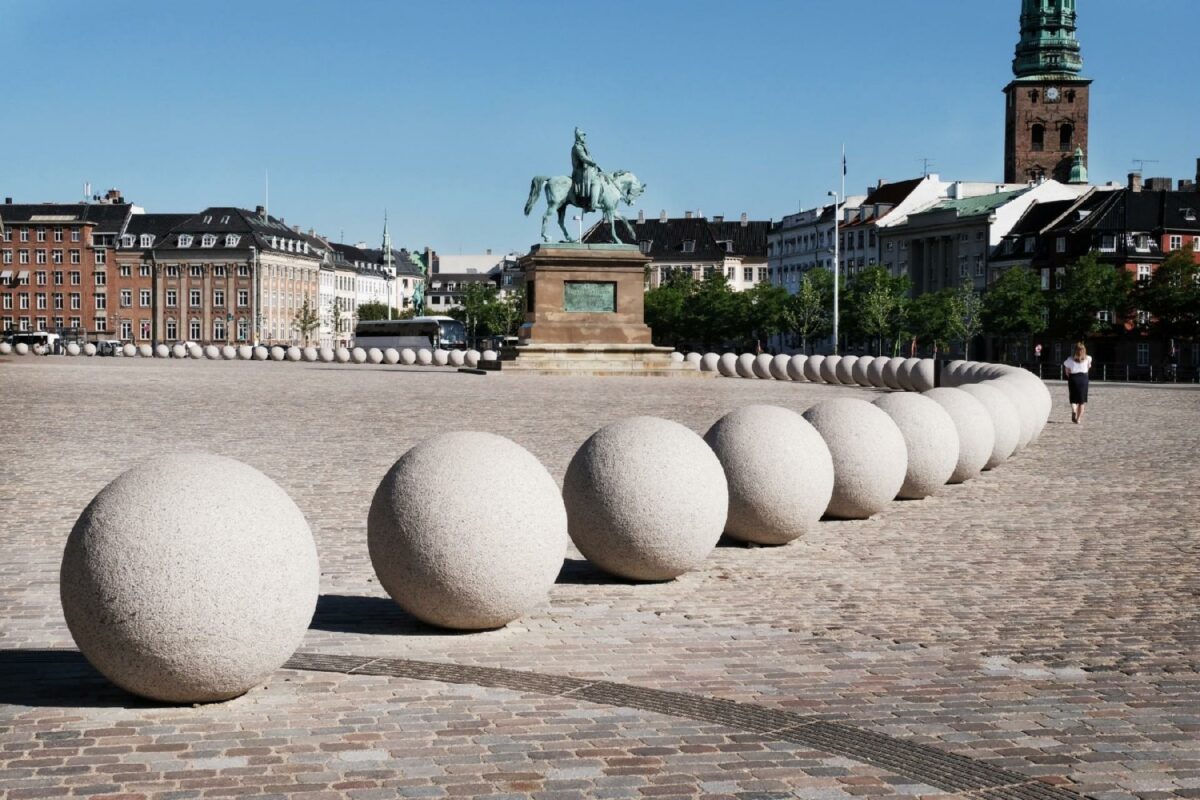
{"x": 49, "y": 342}
{"x": 445, "y": 333}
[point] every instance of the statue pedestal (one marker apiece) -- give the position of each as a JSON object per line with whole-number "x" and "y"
{"x": 585, "y": 314}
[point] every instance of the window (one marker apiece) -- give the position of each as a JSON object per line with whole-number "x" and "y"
{"x": 101, "y": 301}
{"x": 218, "y": 329}
{"x": 1060, "y": 275}
{"x": 1143, "y": 272}
{"x": 172, "y": 329}
{"x": 58, "y": 234}
{"x": 147, "y": 240}
{"x": 76, "y": 257}
{"x": 1060, "y": 244}
{"x": 208, "y": 240}
{"x": 40, "y": 256}
{"x": 100, "y": 278}
{"x": 41, "y": 234}
{"x": 1066, "y": 136}
{"x": 76, "y": 322}
{"x": 963, "y": 270}
{"x": 126, "y": 329}
{"x": 194, "y": 329}
{"x": 76, "y": 301}
{"x": 40, "y": 301}
{"x": 1108, "y": 243}
{"x": 58, "y": 277}
{"x": 7, "y": 299}
{"x": 232, "y": 239}
{"x": 172, "y": 298}
{"x": 185, "y": 240}
{"x": 1176, "y": 242}
{"x": 1143, "y": 354}
{"x": 197, "y": 271}
{"x": 243, "y": 270}
{"x": 1141, "y": 243}
{"x": 1142, "y": 317}
{"x": 8, "y": 256}
{"x": 57, "y": 257}
{"x": 243, "y": 297}
{"x": 23, "y": 257}
{"x": 172, "y": 271}
{"x": 144, "y": 328}
{"x": 40, "y": 278}
{"x": 1104, "y": 315}
{"x": 126, "y": 271}
{"x": 126, "y": 298}
{"x": 76, "y": 235}
{"x": 58, "y": 301}
{"x": 689, "y": 246}
{"x": 243, "y": 329}
{"x": 218, "y": 270}
{"x": 194, "y": 298}
{"x": 24, "y": 234}
{"x": 218, "y": 297}
{"x": 978, "y": 267}
{"x": 101, "y": 257}
{"x": 76, "y": 278}
{"x": 747, "y": 274}
{"x": 1038, "y": 137}
{"x": 127, "y": 240}
{"x": 144, "y": 270}
{"x": 144, "y": 298}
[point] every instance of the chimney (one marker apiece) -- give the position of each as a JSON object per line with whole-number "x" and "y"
{"x": 879, "y": 183}
{"x": 260, "y": 211}
{"x": 8, "y": 201}
{"x": 489, "y": 251}
{"x": 1158, "y": 184}
{"x": 1135, "y": 181}
{"x": 718, "y": 218}
{"x": 662, "y": 215}
{"x": 699, "y": 214}
{"x": 955, "y": 190}
{"x": 745, "y": 220}
{"x": 687, "y": 215}
{"x": 296, "y": 228}
{"x": 641, "y": 216}
{"x": 1186, "y": 185}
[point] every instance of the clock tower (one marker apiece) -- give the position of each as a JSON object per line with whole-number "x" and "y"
{"x": 1046, "y": 104}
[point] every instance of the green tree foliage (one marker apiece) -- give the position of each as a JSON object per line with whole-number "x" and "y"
{"x": 876, "y": 306}
{"x": 485, "y": 313}
{"x": 809, "y": 312}
{"x": 965, "y": 316}
{"x": 1014, "y": 305}
{"x": 1090, "y": 287}
{"x": 765, "y": 312}
{"x": 307, "y": 320}
{"x": 506, "y": 314}
{"x": 373, "y": 311}
{"x": 1172, "y": 297}
{"x": 665, "y": 309}
{"x": 930, "y": 318}
{"x": 716, "y": 313}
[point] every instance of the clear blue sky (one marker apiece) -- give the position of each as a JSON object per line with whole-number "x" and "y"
{"x": 442, "y": 112}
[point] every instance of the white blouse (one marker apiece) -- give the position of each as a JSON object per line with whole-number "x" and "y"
{"x": 1073, "y": 367}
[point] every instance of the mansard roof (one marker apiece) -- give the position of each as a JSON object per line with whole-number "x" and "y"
{"x": 105, "y": 217}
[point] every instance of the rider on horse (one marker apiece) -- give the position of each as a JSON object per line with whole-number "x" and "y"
{"x": 585, "y": 174}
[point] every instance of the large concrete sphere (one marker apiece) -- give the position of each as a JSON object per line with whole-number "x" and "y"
{"x": 89, "y": 349}
{"x": 727, "y": 365}
{"x": 261, "y": 353}
{"x": 21, "y": 349}
{"x": 677, "y": 357}
{"x": 1025, "y": 405}
{"x": 228, "y": 352}
{"x": 245, "y": 352}
{"x": 976, "y": 435}
{"x": 212, "y": 352}
{"x": 921, "y": 375}
{"x": 812, "y": 368}
{"x": 424, "y": 357}
{"x": 486, "y": 355}
{"x": 177, "y": 351}
{"x": 195, "y": 351}
{"x": 779, "y": 471}
{"x": 870, "y": 459}
{"x": 859, "y": 371}
{"x": 128, "y": 350}
{"x": 408, "y": 356}
{"x": 391, "y": 355}
{"x": 441, "y": 358}
{"x": 326, "y": 354}
{"x": 1005, "y": 421}
{"x": 904, "y": 374}
{"x": 1036, "y": 389}
{"x": 845, "y": 370}
{"x": 472, "y": 358}
{"x": 358, "y": 355}
{"x": 145, "y": 351}
{"x": 458, "y": 358}
{"x": 891, "y": 374}
{"x": 708, "y": 362}
{"x": 342, "y": 355}
{"x": 278, "y": 353}
{"x": 311, "y": 354}
{"x": 646, "y": 499}
{"x": 951, "y": 373}
{"x": 829, "y": 366}
{"x": 779, "y": 365}
{"x": 795, "y": 367}
{"x": 189, "y": 579}
{"x": 162, "y": 351}
{"x": 462, "y": 559}
{"x": 375, "y": 355}
{"x": 5, "y": 348}
{"x": 875, "y": 371}
{"x": 745, "y": 365}
{"x": 694, "y": 358}
{"x": 72, "y": 349}
{"x": 930, "y": 439}
{"x": 762, "y": 366}
{"x": 293, "y": 353}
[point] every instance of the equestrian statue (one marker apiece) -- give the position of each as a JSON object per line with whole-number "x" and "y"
{"x": 588, "y": 188}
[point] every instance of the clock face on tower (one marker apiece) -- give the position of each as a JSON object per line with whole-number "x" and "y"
{"x": 1052, "y": 94}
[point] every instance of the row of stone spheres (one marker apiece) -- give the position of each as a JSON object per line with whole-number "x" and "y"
{"x": 190, "y": 578}
{"x": 244, "y": 352}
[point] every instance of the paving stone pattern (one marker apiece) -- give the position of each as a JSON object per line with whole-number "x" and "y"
{"x": 1040, "y": 621}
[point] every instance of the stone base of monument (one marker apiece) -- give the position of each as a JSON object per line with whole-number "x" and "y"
{"x": 597, "y": 359}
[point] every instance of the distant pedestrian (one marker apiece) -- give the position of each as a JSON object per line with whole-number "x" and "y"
{"x": 1076, "y": 370}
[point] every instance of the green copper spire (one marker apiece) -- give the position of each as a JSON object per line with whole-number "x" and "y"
{"x": 1078, "y": 168}
{"x": 1048, "y": 47}
{"x": 388, "y": 258}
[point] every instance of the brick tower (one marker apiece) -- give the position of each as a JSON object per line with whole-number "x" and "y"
{"x": 1046, "y": 104}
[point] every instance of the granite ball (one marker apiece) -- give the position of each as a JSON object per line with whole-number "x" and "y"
{"x": 1005, "y": 421}
{"x": 904, "y": 374}
{"x": 391, "y": 355}
{"x": 875, "y": 371}
{"x": 89, "y": 349}
{"x": 921, "y": 375}
{"x": 812, "y": 368}
{"x": 762, "y": 366}
{"x": 487, "y": 355}
{"x": 128, "y": 350}
{"x": 189, "y": 579}
{"x": 358, "y": 355}
{"x": 311, "y": 354}
{"x": 375, "y": 355}
{"x": 424, "y": 357}
{"x": 21, "y": 349}
{"x": 727, "y": 365}
{"x": 976, "y": 435}
{"x": 212, "y": 352}
{"x": 891, "y": 374}
{"x": 326, "y": 354}
{"x": 245, "y": 352}
{"x": 177, "y": 351}
{"x": 293, "y": 353}
{"x": 646, "y": 499}
{"x": 779, "y": 473}
{"x": 829, "y": 366}
{"x": 778, "y": 367}
{"x": 278, "y": 353}
{"x": 228, "y": 352}
{"x": 145, "y": 351}
{"x": 845, "y": 370}
{"x": 1024, "y": 403}
{"x": 677, "y": 357}
{"x": 162, "y": 351}
{"x": 342, "y": 354}
{"x": 951, "y": 373}
{"x": 472, "y": 358}
{"x": 870, "y": 458}
{"x": 464, "y": 559}
{"x": 745, "y": 365}
{"x": 694, "y": 358}
{"x": 930, "y": 440}
{"x": 458, "y": 358}
{"x": 859, "y": 370}
{"x": 195, "y": 351}
{"x": 5, "y": 348}
{"x": 709, "y": 361}
{"x": 408, "y": 356}
{"x": 441, "y": 358}
{"x": 72, "y": 349}
{"x": 1036, "y": 389}
{"x": 795, "y": 367}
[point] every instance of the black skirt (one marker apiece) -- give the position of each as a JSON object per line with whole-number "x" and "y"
{"x": 1077, "y": 384}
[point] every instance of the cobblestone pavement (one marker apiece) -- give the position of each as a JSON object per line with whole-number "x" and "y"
{"x": 1042, "y": 619}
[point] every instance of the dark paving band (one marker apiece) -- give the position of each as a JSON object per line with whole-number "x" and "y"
{"x": 930, "y": 765}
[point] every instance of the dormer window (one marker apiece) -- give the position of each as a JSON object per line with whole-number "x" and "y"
{"x": 225, "y": 220}
{"x": 127, "y": 240}
{"x": 232, "y": 239}
{"x": 185, "y": 240}
{"x": 147, "y": 240}
{"x": 208, "y": 240}
{"x": 208, "y": 219}
{"x": 689, "y": 246}
{"x": 1189, "y": 214}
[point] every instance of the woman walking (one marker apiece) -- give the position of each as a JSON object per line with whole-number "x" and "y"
{"x": 1076, "y": 369}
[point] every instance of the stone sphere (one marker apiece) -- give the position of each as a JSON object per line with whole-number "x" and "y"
{"x": 326, "y": 354}
{"x": 89, "y": 349}
{"x": 342, "y": 355}
{"x": 709, "y": 361}
{"x": 189, "y": 579}
{"x": 812, "y": 368}
{"x": 677, "y": 357}
{"x": 920, "y": 375}
{"x": 21, "y": 349}
{"x": 875, "y": 371}
{"x": 177, "y": 351}
{"x": 261, "y": 353}
{"x": 976, "y": 435}
{"x": 391, "y": 355}
{"x": 646, "y": 499}
{"x": 211, "y": 352}
{"x": 464, "y": 559}
{"x": 6, "y": 348}
{"x": 1036, "y": 389}
{"x": 870, "y": 459}
{"x": 278, "y": 353}
{"x": 727, "y": 365}
{"x": 951, "y": 373}
{"x": 128, "y": 350}
{"x": 358, "y": 355}
{"x": 845, "y": 370}
{"x": 311, "y": 354}
{"x": 293, "y": 353}
{"x": 145, "y": 351}
{"x": 245, "y": 352}
{"x": 779, "y": 472}
{"x": 425, "y": 357}
{"x": 1025, "y": 405}
{"x": 745, "y": 365}
{"x": 694, "y": 358}
{"x": 228, "y": 352}
{"x": 930, "y": 439}
{"x": 779, "y": 365}
{"x": 795, "y": 367}
{"x": 72, "y": 349}
{"x": 904, "y": 374}
{"x": 1005, "y": 421}
{"x": 472, "y": 358}
{"x": 858, "y": 373}
{"x": 441, "y": 358}
{"x": 408, "y": 356}
{"x": 891, "y": 374}
{"x": 162, "y": 351}
{"x": 829, "y": 366}
{"x": 375, "y": 355}
{"x": 762, "y": 366}
{"x": 195, "y": 351}
{"x": 487, "y": 355}
{"x": 458, "y": 358}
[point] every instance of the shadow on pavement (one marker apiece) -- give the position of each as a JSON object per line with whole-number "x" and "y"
{"x": 343, "y": 613}
{"x": 59, "y": 678}
{"x": 583, "y": 572}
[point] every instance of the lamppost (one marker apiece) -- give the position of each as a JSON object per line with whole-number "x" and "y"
{"x": 837, "y": 227}
{"x": 579, "y": 219}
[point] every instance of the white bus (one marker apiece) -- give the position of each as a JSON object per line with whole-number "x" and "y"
{"x": 435, "y": 333}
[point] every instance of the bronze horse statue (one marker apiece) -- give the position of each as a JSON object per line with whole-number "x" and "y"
{"x": 616, "y": 187}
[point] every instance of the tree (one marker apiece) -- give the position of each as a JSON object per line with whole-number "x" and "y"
{"x": 808, "y": 312}
{"x": 665, "y": 307}
{"x": 876, "y": 304}
{"x": 1172, "y": 297}
{"x": 307, "y": 320}
{"x": 1014, "y": 305}
{"x": 475, "y": 307}
{"x": 965, "y": 316}
{"x": 372, "y": 311}
{"x": 765, "y": 306}
{"x": 507, "y": 314}
{"x": 715, "y": 313}
{"x": 1090, "y": 288}
{"x": 930, "y": 318}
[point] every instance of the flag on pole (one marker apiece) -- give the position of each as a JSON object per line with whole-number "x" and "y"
{"x": 843, "y": 162}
